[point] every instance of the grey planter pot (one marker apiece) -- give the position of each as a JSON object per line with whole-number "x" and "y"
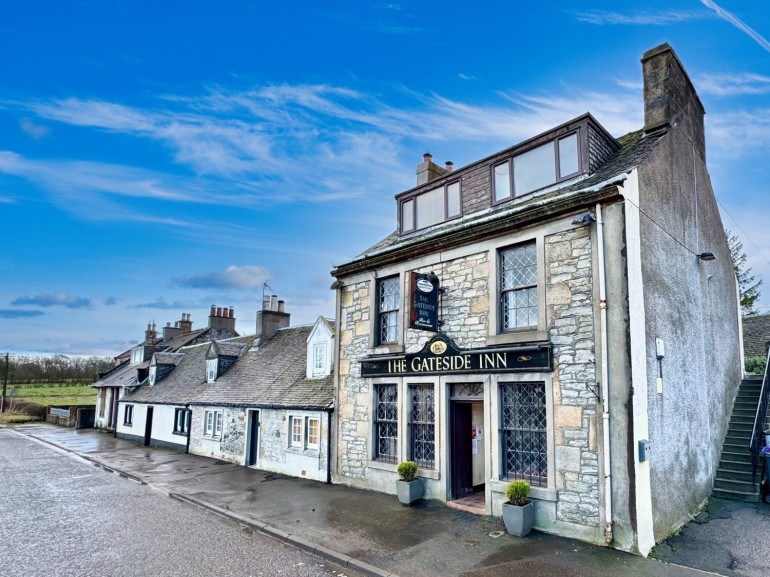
{"x": 518, "y": 520}
{"x": 409, "y": 491}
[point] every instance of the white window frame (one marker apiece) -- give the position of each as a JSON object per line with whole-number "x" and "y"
{"x": 309, "y": 428}
{"x": 137, "y": 355}
{"x": 153, "y": 374}
{"x": 211, "y": 370}
{"x": 297, "y": 425}
{"x": 181, "y": 421}
{"x": 212, "y": 424}
{"x": 319, "y": 358}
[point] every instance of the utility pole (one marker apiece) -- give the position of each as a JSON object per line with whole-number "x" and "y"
{"x": 5, "y": 384}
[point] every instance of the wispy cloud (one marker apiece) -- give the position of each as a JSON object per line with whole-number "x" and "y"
{"x": 19, "y": 314}
{"x": 162, "y": 304}
{"x": 639, "y": 18}
{"x": 737, "y": 22}
{"x": 54, "y": 300}
{"x": 739, "y": 132}
{"x": 233, "y": 277}
{"x": 733, "y": 84}
{"x": 111, "y": 301}
{"x": 32, "y": 129}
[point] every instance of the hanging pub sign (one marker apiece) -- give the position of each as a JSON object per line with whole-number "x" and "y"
{"x": 423, "y": 304}
{"x": 441, "y": 356}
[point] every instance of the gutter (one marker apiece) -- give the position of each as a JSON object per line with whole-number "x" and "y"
{"x": 329, "y": 412}
{"x": 608, "y": 535}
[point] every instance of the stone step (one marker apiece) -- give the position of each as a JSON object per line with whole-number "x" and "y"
{"x": 736, "y": 457}
{"x": 734, "y": 485}
{"x": 744, "y": 475}
{"x": 751, "y": 497}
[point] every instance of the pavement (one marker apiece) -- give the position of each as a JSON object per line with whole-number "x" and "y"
{"x": 374, "y": 534}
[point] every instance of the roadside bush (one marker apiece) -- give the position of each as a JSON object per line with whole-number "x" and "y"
{"x": 755, "y": 365}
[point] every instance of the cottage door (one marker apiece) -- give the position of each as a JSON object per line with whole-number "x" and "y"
{"x": 252, "y": 439}
{"x": 148, "y": 427}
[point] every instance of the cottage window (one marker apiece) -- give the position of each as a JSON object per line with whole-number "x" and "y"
{"x": 153, "y": 374}
{"x": 524, "y": 441}
{"x": 422, "y": 426}
{"x": 137, "y": 355}
{"x": 128, "y": 415}
{"x": 431, "y": 207}
{"x": 211, "y": 370}
{"x": 297, "y": 438}
{"x": 212, "y": 424}
{"x": 181, "y": 421}
{"x": 319, "y": 358}
{"x": 386, "y": 423}
{"x": 518, "y": 287}
{"x": 313, "y": 432}
{"x": 387, "y": 310}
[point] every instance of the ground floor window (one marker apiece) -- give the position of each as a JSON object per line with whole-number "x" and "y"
{"x": 524, "y": 439}
{"x": 304, "y": 432}
{"x": 422, "y": 428}
{"x": 212, "y": 424}
{"x": 181, "y": 421}
{"x": 386, "y": 423}
{"x": 128, "y": 416}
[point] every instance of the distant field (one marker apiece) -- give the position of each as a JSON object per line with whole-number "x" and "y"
{"x": 53, "y": 394}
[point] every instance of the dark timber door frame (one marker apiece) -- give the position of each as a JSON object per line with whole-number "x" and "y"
{"x": 148, "y": 427}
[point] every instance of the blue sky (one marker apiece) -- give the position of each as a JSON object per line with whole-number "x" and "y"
{"x": 160, "y": 157}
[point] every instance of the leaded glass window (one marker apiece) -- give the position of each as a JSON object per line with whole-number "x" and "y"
{"x": 386, "y": 423}
{"x": 422, "y": 426}
{"x": 518, "y": 286}
{"x": 524, "y": 439}
{"x": 387, "y": 307}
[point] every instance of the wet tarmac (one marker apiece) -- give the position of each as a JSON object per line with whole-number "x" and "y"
{"x": 374, "y": 533}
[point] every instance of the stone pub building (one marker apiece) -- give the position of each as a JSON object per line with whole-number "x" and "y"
{"x": 563, "y": 311}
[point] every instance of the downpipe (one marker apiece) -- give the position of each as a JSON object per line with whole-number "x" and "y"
{"x": 608, "y": 535}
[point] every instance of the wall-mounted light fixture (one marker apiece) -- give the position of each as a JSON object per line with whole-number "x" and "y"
{"x": 584, "y": 218}
{"x": 706, "y": 256}
{"x": 337, "y": 284}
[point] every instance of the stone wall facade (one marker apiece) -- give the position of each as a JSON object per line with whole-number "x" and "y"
{"x": 570, "y": 319}
{"x": 568, "y": 308}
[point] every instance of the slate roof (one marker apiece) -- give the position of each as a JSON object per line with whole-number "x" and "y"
{"x": 272, "y": 376}
{"x": 118, "y": 379}
{"x": 634, "y": 149}
{"x": 756, "y": 332}
{"x": 232, "y": 348}
{"x": 185, "y": 382}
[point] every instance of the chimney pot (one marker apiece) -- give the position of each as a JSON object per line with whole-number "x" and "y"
{"x": 232, "y": 312}
{"x": 213, "y": 312}
{"x": 427, "y": 157}
{"x": 281, "y": 306}
{"x": 218, "y": 312}
{"x": 449, "y": 164}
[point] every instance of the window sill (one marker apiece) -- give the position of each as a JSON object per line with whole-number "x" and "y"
{"x": 212, "y": 438}
{"x": 128, "y": 424}
{"x": 306, "y": 452}
{"x": 392, "y": 349}
{"x": 382, "y": 466}
{"x": 524, "y": 336}
{"x": 539, "y": 493}
{"x": 433, "y": 474}
{"x": 180, "y": 433}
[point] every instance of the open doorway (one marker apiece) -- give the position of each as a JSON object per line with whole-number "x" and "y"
{"x": 467, "y": 450}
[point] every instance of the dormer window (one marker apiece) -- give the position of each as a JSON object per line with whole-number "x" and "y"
{"x": 211, "y": 370}
{"x": 536, "y": 168}
{"x": 431, "y": 207}
{"x": 153, "y": 374}
{"x": 137, "y": 355}
{"x": 319, "y": 358}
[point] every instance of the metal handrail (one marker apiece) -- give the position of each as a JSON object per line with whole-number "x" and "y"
{"x": 757, "y": 436}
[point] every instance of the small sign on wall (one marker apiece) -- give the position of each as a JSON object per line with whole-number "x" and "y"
{"x": 423, "y": 304}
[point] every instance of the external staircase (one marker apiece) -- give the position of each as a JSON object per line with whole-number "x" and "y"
{"x": 734, "y": 477}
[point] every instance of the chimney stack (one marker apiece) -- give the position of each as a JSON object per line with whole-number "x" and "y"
{"x": 185, "y": 324}
{"x": 670, "y": 99}
{"x": 428, "y": 170}
{"x": 150, "y": 335}
{"x": 271, "y": 318}
{"x": 222, "y": 318}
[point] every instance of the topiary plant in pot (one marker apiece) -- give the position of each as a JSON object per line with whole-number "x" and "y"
{"x": 409, "y": 486}
{"x": 519, "y": 511}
